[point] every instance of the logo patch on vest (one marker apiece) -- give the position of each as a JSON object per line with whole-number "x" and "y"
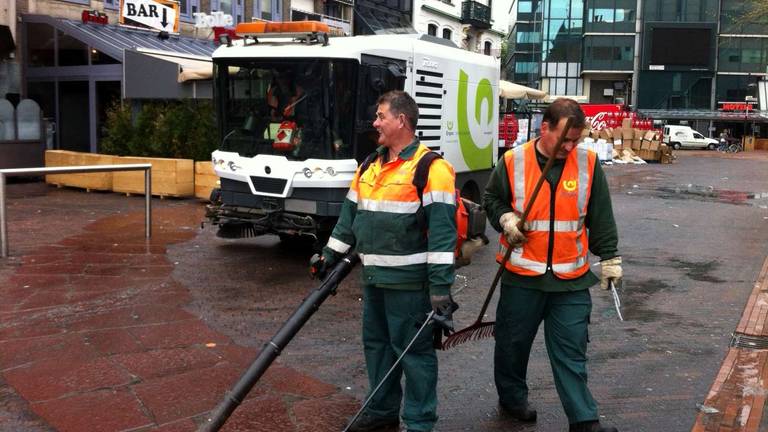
{"x": 569, "y": 185}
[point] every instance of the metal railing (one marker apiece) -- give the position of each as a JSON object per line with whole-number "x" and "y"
{"x": 147, "y": 168}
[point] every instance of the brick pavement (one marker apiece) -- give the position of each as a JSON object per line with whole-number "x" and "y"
{"x": 94, "y": 335}
{"x": 739, "y": 392}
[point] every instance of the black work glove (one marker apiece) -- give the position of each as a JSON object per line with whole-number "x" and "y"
{"x": 318, "y": 267}
{"x": 444, "y": 306}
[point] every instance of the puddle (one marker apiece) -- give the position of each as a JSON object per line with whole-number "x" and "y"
{"x": 703, "y": 193}
{"x": 699, "y": 271}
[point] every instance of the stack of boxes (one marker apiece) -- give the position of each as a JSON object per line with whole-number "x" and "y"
{"x": 644, "y": 143}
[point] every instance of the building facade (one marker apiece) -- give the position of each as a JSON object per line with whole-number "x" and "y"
{"x": 662, "y": 56}
{"x": 477, "y": 26}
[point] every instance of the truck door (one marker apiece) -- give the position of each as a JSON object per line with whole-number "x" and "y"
{"x": 377, "y": 76}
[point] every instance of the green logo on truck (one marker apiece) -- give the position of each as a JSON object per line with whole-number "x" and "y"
{"x": 474, "y": 156}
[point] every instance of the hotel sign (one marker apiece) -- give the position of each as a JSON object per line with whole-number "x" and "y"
{"x": 160, "y": 15}
{"x": 737, "y": 106}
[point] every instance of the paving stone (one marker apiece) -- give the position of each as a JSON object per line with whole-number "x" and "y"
{"x": 53, "y": 378}
{"x": 262, "y": 414}
{"x": 163, "y": 362}
{"x": 112, "y": 341}
{"x": 180, "y": 396}
{"x": 64, "y": 346}
{"x": 176, "y": 334}
{"x": 105, "y": 410}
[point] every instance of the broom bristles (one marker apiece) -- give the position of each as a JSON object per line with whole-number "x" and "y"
{"x": 474, "y": 332}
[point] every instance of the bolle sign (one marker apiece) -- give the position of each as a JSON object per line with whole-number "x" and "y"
{"x": 215, "y": 19}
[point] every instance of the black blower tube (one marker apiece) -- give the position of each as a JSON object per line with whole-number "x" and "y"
{"x": 279, "y": 341}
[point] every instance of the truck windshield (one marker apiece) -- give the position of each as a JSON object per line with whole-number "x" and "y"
{"x": 297, "y": 108}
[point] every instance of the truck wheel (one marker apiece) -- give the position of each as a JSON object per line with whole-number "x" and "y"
{"x": 215, "y": 196}
{"x": 675, "y": 145}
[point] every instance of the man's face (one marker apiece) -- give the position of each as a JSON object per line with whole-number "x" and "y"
{"x": 549, "y": 136}
{"x": 387, "y": 125}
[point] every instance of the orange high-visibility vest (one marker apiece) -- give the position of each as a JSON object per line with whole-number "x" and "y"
{"x": 571, "y": 245}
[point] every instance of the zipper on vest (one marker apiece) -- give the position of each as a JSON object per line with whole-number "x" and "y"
{"x": 551, "y": 242}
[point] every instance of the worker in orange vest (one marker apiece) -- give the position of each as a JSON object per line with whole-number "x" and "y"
{"x": 548, "y": 273}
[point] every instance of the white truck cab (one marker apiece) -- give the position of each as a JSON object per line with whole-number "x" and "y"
{"x": 677, "y": 137}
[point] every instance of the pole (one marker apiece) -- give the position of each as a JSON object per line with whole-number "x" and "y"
{"x": 148, "y": 202}
{"x": 279, "y": 341}
{"x": 3, "y": 222}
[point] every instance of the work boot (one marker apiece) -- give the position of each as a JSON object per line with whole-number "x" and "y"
{"x": 523, "y": 413}
{"x": 369, "y": 423}
{"x": 590, "y": 426}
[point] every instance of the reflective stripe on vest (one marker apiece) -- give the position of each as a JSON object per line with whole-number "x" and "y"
{"x": 403, "y": 260}
{"x": 569, "y": 257}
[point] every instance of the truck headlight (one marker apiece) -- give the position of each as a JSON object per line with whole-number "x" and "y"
{"x": 307, "y": 173}
{"x": 233, "y": 167}
{"x": 330, "y": 171}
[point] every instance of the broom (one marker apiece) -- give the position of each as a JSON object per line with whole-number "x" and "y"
{"x": 480, "y": 329}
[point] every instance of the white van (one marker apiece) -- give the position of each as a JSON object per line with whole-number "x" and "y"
{"x": 677, "y": 137}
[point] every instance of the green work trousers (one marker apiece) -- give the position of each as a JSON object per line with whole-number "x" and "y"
{"x": 566, "y": 318}
{"x": 391, "y": 319}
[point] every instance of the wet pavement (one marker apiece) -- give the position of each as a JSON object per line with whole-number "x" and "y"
{"x": 103, "y": 330}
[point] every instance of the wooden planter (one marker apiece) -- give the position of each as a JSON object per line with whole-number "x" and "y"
{"x": 91, "y": 181}
{"x": 170, "y": 177}
{"x": 205, "y": 179}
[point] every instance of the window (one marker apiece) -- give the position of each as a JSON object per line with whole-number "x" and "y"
{"x": 229, "y": 7}
{"x": 487, "y": 48}
{"x": 72, "y": 52}
{"x": 447, "y": 33}
{"x": 743, "y": 54}
{"x": 40, "y": 43}
{"x": 432, "y": 30}
{"x": 186, "y": 9}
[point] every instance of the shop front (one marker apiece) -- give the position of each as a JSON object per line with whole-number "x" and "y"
{"x": 75, "y": 70}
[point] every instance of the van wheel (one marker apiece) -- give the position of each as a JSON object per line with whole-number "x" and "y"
{"x": 675, "y": 145}
{"x": 712, "y": 146}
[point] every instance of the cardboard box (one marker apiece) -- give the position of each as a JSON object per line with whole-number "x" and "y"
{"x": 606, "y": 134}
{"x": 626, "y": 123}
{"x": 645, "y": 145}
{"x": 654, "y": 145}
{"x": 617, "y": 134}
{"x": 638, "y": 133}
{"x": 627, "y": 133}
{"x": 636, "y": 144}
{"x": 618, "y": 144}
{"x": 650, "y": 136}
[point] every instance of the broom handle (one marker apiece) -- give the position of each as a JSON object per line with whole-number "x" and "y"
{"x": 544, "y": 171}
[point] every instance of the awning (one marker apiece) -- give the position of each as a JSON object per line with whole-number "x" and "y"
{"x": 191, "y": 67}
{"x": 754, "y": 116}
{"x": 150, "y": 74}
{"x": 510, "y": 90}
{"x": 153, "y": 67}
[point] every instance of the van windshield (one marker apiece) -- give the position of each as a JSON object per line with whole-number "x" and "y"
{"x": 297, "y": 108}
